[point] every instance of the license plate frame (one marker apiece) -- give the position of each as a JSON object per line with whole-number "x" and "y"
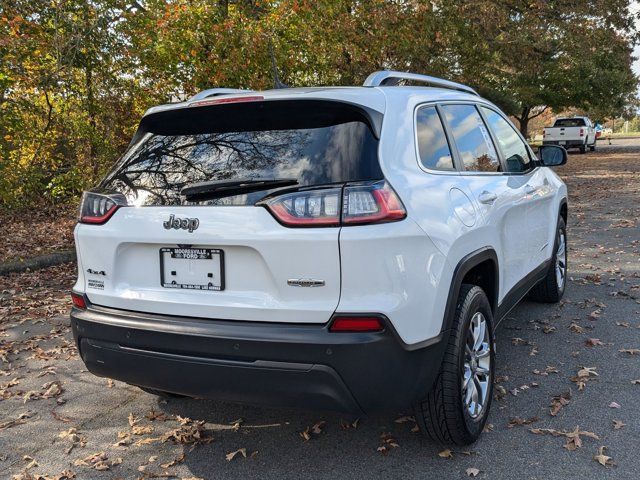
{"x": 170, "y": 257}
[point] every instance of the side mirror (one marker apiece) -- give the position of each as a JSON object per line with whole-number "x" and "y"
{"x": 552, "y": 155}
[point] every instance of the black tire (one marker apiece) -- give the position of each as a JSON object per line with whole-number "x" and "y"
{"x": 583, "y": 149}
{"x": 442, "y": 415}
{"x": 161, "y": 393}
{"x": 550, "y": 289}
{"x": 593, "y": 147}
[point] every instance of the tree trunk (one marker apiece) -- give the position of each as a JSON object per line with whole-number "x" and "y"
{"x": 523, "y": 120}
{"x": 90, "y": 100}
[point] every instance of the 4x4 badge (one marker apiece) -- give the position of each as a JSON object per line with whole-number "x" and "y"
{"x": 190, "y": 224}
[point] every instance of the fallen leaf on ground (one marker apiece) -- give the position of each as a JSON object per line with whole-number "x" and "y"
{"x": 387, "y": 442}
{"x": 573, "y": 438}
{"x": 189, "y": 432}
{"x": 593, "y": 342}
{"x": 344, "y": 425}
{"x": 574, "y": 327}
{"x": 316, "y": 429}
{"x": 618, "y": 424}
{"x": 19, "y": 420}
{"x": 558, "y": 402}
{"x": 405, "y": 419}
{"x": 614, "y": 405}
{"x": 583, "y": 376}
{"x": 141, "y": 430}
{"x": 98, "y": 461}
{"x": 603, "y": 459}
{"x": 236, "y": 424}
{"x": 472, "y": 472}
{"x": 74, "y": 437}
{"x": 173, "y": 462}
{"x": 445, "y": 454}
{"x": 132, "y": 420}
{"x": 630, "y": 351}
{"x": 517, "y": 421}
{"x": 230, "y": 456}
{"x": 546, "y": 371}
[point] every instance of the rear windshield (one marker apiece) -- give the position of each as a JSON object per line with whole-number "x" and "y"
{"x": 569, "y": 122}
{"x": 317, "y": 144}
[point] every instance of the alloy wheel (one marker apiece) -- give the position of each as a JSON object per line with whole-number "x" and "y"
{"x": 477, "y": 366}
{"x": 561, "y": 261}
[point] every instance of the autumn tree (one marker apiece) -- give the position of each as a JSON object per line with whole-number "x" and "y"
{"x": 76, "y": 75}
{"x": 532, "y": 56}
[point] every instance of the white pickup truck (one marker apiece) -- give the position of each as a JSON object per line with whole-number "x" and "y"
{"x": 574, "y": 132}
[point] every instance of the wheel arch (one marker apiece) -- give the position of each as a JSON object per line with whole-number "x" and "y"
{"x": 564, "y": 210}
{"x": 479, "y": 267}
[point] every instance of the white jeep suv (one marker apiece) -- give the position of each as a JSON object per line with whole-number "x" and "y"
{"x": 342, "y": 248}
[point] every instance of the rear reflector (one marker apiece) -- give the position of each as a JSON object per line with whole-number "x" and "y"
{"x": 356, "y": 324}
{"x": 78, "y": 301}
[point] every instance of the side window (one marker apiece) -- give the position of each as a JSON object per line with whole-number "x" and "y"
{"x": 514, "y": 149}
{"x": 432, "y": 141}
{"x": 472, "y": 138}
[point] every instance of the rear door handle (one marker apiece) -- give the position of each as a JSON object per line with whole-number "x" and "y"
{"x": 487, "y": 197}
{"x": 529, "y": 190}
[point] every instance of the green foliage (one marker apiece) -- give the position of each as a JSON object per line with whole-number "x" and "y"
{"x": 76, "y": 75}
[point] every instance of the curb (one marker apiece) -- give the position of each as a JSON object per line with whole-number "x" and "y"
{"x": 36, "y": 263}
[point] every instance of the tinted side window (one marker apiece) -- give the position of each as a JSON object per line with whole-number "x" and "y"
{"x": 432, "y": 142}
{"x": 513, "y": 148}
{"x": 472, "y": 138}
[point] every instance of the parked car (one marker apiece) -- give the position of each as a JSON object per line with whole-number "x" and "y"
{"x": 343, "y": 248}
{"x": 574, "y": 132}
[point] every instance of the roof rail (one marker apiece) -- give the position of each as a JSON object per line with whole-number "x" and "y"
{"x": 213, "y": 92}
{"x": 391, "y": 77}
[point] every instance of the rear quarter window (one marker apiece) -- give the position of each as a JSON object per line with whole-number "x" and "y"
{"x": 433, "y": 147}
{"x": 472, "y": 139}
{"x": 569, "y": 122}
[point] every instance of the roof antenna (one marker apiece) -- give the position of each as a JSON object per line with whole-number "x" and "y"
{"x": 277, "y": 84}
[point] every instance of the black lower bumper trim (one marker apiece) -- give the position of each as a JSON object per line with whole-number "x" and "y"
{"x": 256, "y": 363}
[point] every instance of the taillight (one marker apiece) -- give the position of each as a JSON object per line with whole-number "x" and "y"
{"x": 582, "y": 132}
{"x": 356, "y": 324}
{"x": 351, "y": 205}
{"x": 311, "y": 208}
{"x": 97, "y": 208}
{"x": 78, "y": 301}
{"x": 376, "y": 203}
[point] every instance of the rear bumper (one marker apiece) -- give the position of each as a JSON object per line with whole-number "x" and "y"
{"x": 257, "y": 363}
{"x": 565, "y": 143}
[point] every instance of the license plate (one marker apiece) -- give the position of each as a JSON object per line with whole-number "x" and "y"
{"x": 562, "y": 143}
{"x": 192, "y": 268}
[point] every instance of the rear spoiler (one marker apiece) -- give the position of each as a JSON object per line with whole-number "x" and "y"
{"x": 229, "y": 114}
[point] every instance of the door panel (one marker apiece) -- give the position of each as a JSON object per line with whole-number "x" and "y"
{"x": 505, "y": 220}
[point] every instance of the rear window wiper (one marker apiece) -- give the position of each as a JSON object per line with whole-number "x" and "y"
{"x": 227, "y": 188}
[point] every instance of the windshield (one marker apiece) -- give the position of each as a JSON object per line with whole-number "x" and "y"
{"x": 569, "y": 122}
{"x": 331, "y": 149}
